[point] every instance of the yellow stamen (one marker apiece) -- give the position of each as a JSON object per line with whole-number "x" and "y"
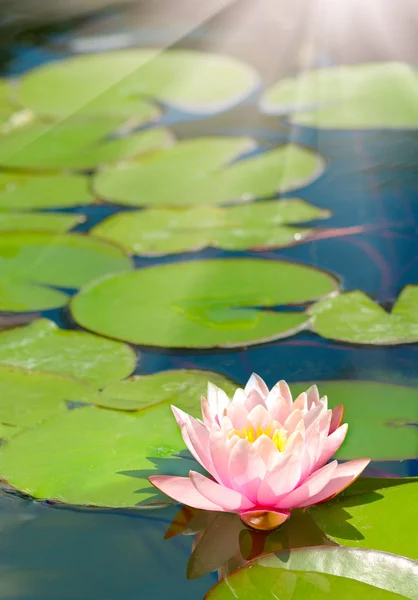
{"x": 278, "y": 437}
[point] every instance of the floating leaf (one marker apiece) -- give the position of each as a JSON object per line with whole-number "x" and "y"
{"x": 255, "y": 225}
{"x": 75, "y": 144}
{"x": 315, "y": 573}
{"x": 30, "y": 262}
{"x": 90, "y": 455}
{"x": 195, "y": 172}
{"x": 353, "y": 317}
{"x": 183, "y": 388}
{"x": 43, "y": 346}
{"x": 380, "y": 427}
{"x": 379, "y": 519}
{"x": 6, "y": 108}
{"x": 39, "y": 222}
{"x": 120, "y": 83}
{"x": 29, "y": 397}
{"x": 364, "y": 96}
{"x": 7, "y": 431}
{"x": 201, "y": 303}
{"x": 19, "y": 192}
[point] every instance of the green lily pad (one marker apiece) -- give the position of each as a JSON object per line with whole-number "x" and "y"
{"x": 182, "y": 387}
{"x": 39, "y": 222}
{"x": 381, "y": 418}
{"x": 74, "y": 144}
{"x": 353, "y": 317}
{"x": 30, "y": 397}
{"x": 44, "y": 347}
{"x": 255, "y": 225}
{"x": 315, "y": 573}
{"x": 381, "y": 519}
{"x": 20, "y": 192}
{"x": 365, "y": 96}
{"x": 6, "y": 108}
{"x": 31, "y": 262}
{"x": 196, "y": 172}
{"x": 120, "y": 83}
{"x": 201, "y": 303}
{"x": 8, "y": 431}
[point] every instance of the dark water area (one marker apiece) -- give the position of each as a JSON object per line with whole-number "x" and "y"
{"x": 370, "y": 184}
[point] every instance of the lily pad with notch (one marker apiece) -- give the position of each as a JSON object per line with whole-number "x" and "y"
{"x": 207, "y": 303}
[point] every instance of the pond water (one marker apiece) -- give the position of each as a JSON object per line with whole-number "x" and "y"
{"x": 365, "y": 187}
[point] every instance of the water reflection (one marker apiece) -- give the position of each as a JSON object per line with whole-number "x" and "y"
{"x": 223, "y": 543}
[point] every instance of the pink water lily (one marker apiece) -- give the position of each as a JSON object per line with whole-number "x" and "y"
{"x": 266, "y": 454}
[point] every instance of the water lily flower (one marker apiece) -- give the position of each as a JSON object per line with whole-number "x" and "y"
{"x": 266, "y": 453}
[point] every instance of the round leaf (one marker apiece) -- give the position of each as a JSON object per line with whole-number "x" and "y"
{"x": 364, "y": 96}
{"x": 201, "y": 303}
{"x": 256, "y": 225}
{"x": 182, "y": 388}
{"x": 43, "y": 346}
{"x": 353, "y": 317}
{"x": 382, "y": 519}
{"x": 73, "y": 144}
{"x": 29, "y": 397}
{"x": 32, "y": 261}
{"x": 379, "y": 427}
{"x": 116, "y": 83}
{"x": 39, "y": 222}
{"x": 315, "y": 573}
{"x": 197, "y": 172}
{"x": 19, "y": 192}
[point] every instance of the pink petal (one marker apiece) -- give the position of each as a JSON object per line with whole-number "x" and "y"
{"x": 239, "y": 396}
{"x": 331, "y": 445}
{"x": 246, "y": 469}
{"x": 285, "y": 391}
{"x": 264, "y": 520}
{"x": 311, "y": 487}
{"x": 301, "y": 402}
{"x": 280, "y": 480}
{"x": 337, "y": 417}
{"x": 179, "y": 415}
{"x": 254, "y": 398}
{"x": 238, "y": 414}
{"x": 293, "y": 420}
{"x": 256, "y": 383}
{"x": 182, "y": 490}
{"x": 219, "y": 452}
{"x": 229, "y": 500}
{"x": 259, "y": 417}
{"x": 343, "y": 476}
{"x": 277, "y": 406}
{"x": 312, "y": 396}
{"x": 312, "y": 415}
{"x": 267, "y": 449}
{"x": 217, "y": 399}
{"x": 196, "y": 437}
{"x": 206, "y": 414}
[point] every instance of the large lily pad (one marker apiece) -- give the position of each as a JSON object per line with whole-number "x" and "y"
{"x": 39, "y": 222}
{"x": 6, "y": 108}
{"x": 353, "y": 317}
{"x": 201, "y": 303}
{"x": 181, "y": 387}
{"x": 30, "y": 397}
{"x": 197, "y": 172}
{"x": 380, "y": 519}
{"x": 44, "y": 347}
{"x": 255, "y": 225}
{"x": 118, "y": 83}
{"x": 316, "y": 573}
{"x": 20, "y": 192}
{"x": 31, "y": 262}
{"x": 365, "y": 96}
{"x": 74, "y": 144}
{"x": 381, "y": 418}
{"x": 103, "y": 457}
